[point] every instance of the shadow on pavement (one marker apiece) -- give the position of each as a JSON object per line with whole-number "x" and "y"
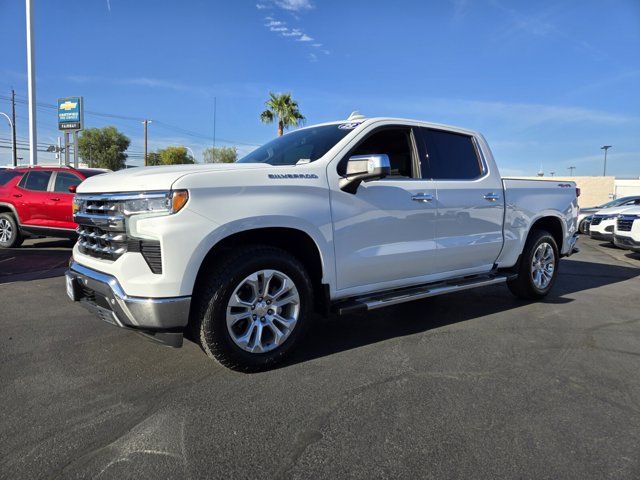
{"x": 34, "y": 260}
{"x": 337, "y": 334}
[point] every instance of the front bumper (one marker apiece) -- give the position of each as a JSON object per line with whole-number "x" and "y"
{"x": 626, "y": 243}
{"x": 161, "y": 319}
{"x": 605, "y": 237}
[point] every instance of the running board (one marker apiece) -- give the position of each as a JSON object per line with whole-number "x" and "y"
{"x": 394, "y": 297}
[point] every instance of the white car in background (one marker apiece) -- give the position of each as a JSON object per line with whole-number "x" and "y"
{"x": 626, "y": 233}
{"x": 585, "y": 214}
{"x": 604, "y": 221}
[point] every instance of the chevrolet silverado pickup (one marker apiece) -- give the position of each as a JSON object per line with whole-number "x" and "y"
{"x": 339, "y": 217}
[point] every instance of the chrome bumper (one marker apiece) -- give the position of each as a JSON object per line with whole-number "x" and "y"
{"x": 161, "y": 319}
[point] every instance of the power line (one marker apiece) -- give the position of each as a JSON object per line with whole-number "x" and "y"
{"x": 165, "y": 125}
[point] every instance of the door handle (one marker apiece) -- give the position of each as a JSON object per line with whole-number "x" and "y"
{"x": 17, "y": 195}
{"x": 422, "y": 197}
{"x": 491, "y": 197}
{"x": 55, "y": 199}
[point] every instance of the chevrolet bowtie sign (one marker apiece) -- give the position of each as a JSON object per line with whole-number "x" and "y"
{"x": 70, "y": 113}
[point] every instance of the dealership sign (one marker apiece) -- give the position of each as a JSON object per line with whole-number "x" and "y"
{"x": 70, "y": 113}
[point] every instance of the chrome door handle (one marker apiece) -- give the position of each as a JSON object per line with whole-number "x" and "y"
{"x": 491, "y": 197}
{"x": 422, "y": 197}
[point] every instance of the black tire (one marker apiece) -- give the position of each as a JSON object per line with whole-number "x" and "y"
{"x": 11, "y": 228}
{"x": 523, "y": 286}
{"x": 582, "y": 228}
{"x": 208, "y": 321}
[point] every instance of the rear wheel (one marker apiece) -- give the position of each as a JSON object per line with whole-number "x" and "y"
{"x": 538, "y": 267}
{"x": 254, "y": 308}
{"x": 10, "y": 236}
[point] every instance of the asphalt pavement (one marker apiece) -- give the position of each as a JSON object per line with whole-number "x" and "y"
{"x": 471, "y": 385}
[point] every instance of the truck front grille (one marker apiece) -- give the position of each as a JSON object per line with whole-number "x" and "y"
{"x": 625, "y": 223}
{"x": 102, "y": 231}
{"x": 101, "y": 243}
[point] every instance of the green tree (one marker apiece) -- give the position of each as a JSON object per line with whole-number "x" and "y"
{"x": 153, "y": 159}
{"x": 104, "y": 147}
{"x": 174, "y": 156}
{"x": 283, "y": 109}
{"x": 220, "y": 155}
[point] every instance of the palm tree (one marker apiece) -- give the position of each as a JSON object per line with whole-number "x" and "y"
{"x": 285, "y": 109}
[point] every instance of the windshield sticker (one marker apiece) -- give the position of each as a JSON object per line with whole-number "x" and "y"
{"x": 349, "y": 126}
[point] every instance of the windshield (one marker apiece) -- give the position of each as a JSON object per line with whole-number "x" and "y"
{"x": 308, "y": 145}
{"x": 616, "y": 202}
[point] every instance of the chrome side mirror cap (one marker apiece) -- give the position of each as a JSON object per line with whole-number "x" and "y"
{"x": 364, "y": 167}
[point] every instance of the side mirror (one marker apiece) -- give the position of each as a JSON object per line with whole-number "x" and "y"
{"x": 72, "y": 188}
{"x": 364, "y": 167}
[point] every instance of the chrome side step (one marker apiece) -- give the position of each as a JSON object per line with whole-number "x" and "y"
{"x": 394, "y": 297}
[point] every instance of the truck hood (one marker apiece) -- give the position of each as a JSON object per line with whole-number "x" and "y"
{"x": 613, "y": 210}
{"x": 154, "y": 178}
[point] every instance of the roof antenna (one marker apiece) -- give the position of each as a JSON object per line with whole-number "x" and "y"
{"x": 355, "y": 115}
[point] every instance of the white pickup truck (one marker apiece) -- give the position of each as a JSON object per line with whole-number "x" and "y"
{"x": 346, "y": 217}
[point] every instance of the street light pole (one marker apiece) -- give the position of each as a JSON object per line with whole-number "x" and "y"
{"x": 146, "y": 125}
{"x": 571, "y": 169}
{"x": 605, "y": 148}
{"x": 31, "y": 80}
{"x": 13, "y": 138}
{"x": 13, "y": 128}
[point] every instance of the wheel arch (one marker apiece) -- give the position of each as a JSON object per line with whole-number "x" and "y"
{"x": 8, "y": 208}
{"x": 552, "y": 224}
{"x": 295, "y": 241}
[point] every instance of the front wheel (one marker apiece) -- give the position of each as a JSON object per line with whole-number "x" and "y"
{"x": 584, "y": 227}
{"x": 254, "y": 308}
{"x": 538, "y": 267}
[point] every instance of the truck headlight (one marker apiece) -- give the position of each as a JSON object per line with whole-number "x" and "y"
{"x": 76, "y": 205}
{"x": 156, "y": 203}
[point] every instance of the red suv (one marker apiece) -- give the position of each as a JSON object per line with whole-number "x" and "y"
{"x": 37, "y": 201}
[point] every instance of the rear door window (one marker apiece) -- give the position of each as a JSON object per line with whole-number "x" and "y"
{"x": 64, "y": 180}
{"x": 451, "y": 156}
{"x": 6, "y": 175}
{"x": 36, "y": 180}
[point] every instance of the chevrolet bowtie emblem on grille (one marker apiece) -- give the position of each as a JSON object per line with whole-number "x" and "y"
{"x": 292, "y": 175}
{"x": 68, "y": 105}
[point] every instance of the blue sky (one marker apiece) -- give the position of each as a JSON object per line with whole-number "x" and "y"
{"x": 547, "y": 82}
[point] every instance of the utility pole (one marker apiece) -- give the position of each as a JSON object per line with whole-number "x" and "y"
{"x": 13, "y": 128}
{"x": 571, "y": 169}
{"x": 146, "y": 125}
{"x": 605, "y": 148}
{"x": 31, "y": 80}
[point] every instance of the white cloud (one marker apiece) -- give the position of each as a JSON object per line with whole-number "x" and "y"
{"x": 294, "y": 5}
{"x": 293, "y": 33}
{"x": 262, "y": 6}
{"x": 305, "y": 38}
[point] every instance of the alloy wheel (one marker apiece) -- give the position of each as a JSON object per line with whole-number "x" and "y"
{"x": 6, "y": 231}
{"x": 543, "y": 265}
{"x": 263, "y": 311}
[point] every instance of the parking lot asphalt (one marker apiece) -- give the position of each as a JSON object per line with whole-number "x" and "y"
{"x": 471, "y": 385}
